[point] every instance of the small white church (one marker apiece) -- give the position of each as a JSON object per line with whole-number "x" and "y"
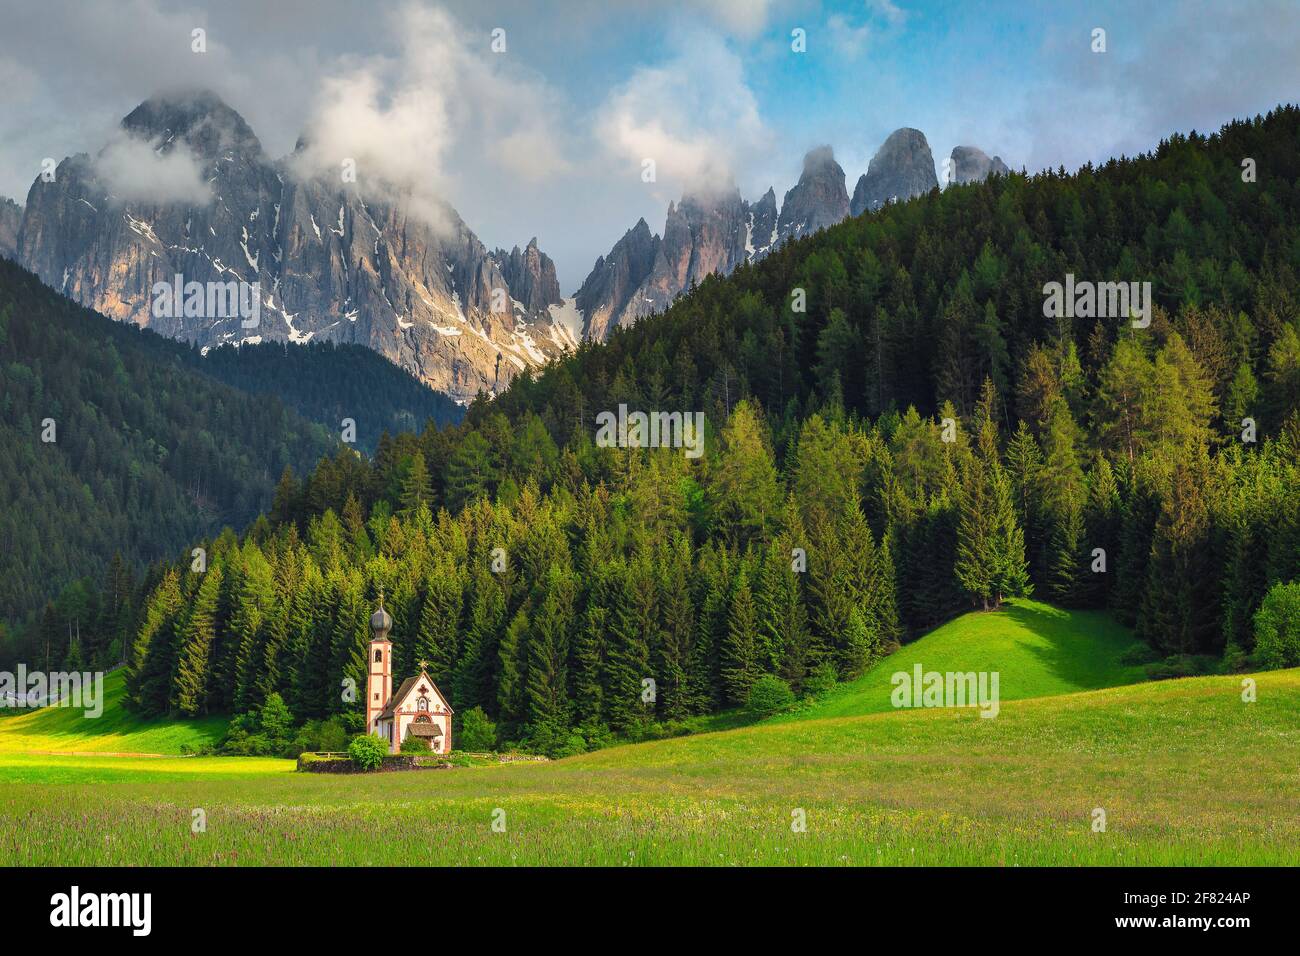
{"x": 418, "y": 709}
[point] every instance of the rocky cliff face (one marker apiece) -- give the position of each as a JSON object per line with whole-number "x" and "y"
{"x": 704, "y": 234}
{"x": 972, "y": 165}
{"x": 330, "y": 264}
{"x": 763, "y": 225}
{"x": 818, "y": 200}
{"x": 615, "y": 279}
{"x": 11, "y": 219}
{"x": 902, "y": 168}
{"x": 643, "y": 273}
{"x": 530, "y": 275}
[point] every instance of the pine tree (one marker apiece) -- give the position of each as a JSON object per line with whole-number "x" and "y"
{"x": 1024, "y": 465}
{"x": 549, "y": 642}
{"x": 976, "y": 566}
{"x": 1011, "y": 572}
{"x": 189, "y": 689}
{"x": 783, "y": 617}
{"x": 149, "y": 677}
{"x": 473, "y": 678}
{"x": 512, "y": 657}
{"x": 1063, "y": 493}
{"x": 863, "y": 591}
{"x": 417, "y": 489}
{"x": 990, "y": 543}
{"x": 589, "y": 657}
{"x": 1101, "y": 523}
{"x": 304, "y": 654}
{"x": 740, "y": 665}
{"x": 1179, "y": 610}
{"x": 1065, "y": 554}
{"x": 249, "y": 624}
{"x": 883, "y": 600}
{"x": 628, "y": 662}
{"x": 746, "y": 497}
{"x": 704, "y": 682}
{"x": 349, "y": 640}
{"x": 676, "y": 623}
{"x": 440, "y": 616}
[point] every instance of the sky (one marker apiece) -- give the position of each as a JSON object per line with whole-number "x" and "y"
{"x": 536, "y": 118}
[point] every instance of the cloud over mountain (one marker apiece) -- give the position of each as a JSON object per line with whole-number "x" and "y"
{"x": 139, "y": 170}
{"x": 398, "y": 117}
{"x": 692, "y": 114}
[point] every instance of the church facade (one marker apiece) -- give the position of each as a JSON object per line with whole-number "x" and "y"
{"x": 418, "y": 709}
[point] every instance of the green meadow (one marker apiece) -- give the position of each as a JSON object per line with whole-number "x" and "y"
{"x": 1186, "y": 772}
{"x": 1038, "y": 651}
{"x": 116, "y": 730}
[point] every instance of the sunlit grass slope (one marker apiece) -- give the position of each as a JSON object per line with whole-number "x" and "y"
{"x": 1038, "y": 651}
{"x": 1186, "y": 772}
{"x": 115, "y": 730}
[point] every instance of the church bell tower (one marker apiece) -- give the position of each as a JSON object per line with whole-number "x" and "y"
{"x": 379, "y": 674}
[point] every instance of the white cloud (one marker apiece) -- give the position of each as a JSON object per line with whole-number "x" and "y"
{"x": 743, "y": 17}
{"x": 693, "y": 115}
{"x": 18, "y": 82}
{"x": 136, "y": 170}
{"x": 847, "y": 39}
{"x": 889, "y": 10}
{"x": 400, "y": 117}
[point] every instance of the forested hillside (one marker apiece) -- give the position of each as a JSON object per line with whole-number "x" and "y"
{"x": 547, "y": 580}
{"x": 118, "y": 442}
{"x": 327, "y": 383}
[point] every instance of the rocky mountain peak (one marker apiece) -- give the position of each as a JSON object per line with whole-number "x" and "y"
{"x": 902, "y": 168}
{"x": 201, "y": 118}
{"x": 11, "y": 220}
{"x": 530, "y": 274}
{"x": 971, "y": 164}
{"x": 328, "y": 262}
{"x": 763, "y": 226}
{"x": 818, "y": 200}
{"x": 615, "y": 279}
{"x": 820, "y": 159}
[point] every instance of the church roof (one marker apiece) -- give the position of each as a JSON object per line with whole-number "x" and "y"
{"x": 402, "y": 692}
{"x": 424, "y": 730}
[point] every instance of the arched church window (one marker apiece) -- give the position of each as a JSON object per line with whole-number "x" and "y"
{"x": 379, "y": 657}
{"x": 422, "y": 704}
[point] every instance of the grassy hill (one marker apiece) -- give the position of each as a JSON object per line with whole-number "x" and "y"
{"x": 1038, "y": 651}
{"x": 1186, "y": 772}
{"x": 116, "y": 730}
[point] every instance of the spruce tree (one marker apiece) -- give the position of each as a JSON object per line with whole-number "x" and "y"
{"x": 547, "y": 685}
{"x": 628, "y": 661}
{"x": 190, "y": 687}
{"x": 740, "y": 665}
{"x": 417, "y": 489}
{"x": 440, "y": 621}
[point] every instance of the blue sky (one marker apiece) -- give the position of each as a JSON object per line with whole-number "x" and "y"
{"x": 547, "y": 138}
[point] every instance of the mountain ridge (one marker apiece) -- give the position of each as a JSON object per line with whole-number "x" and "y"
{"x": 644, "y": 272}
{"x": 332, "y": 261}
